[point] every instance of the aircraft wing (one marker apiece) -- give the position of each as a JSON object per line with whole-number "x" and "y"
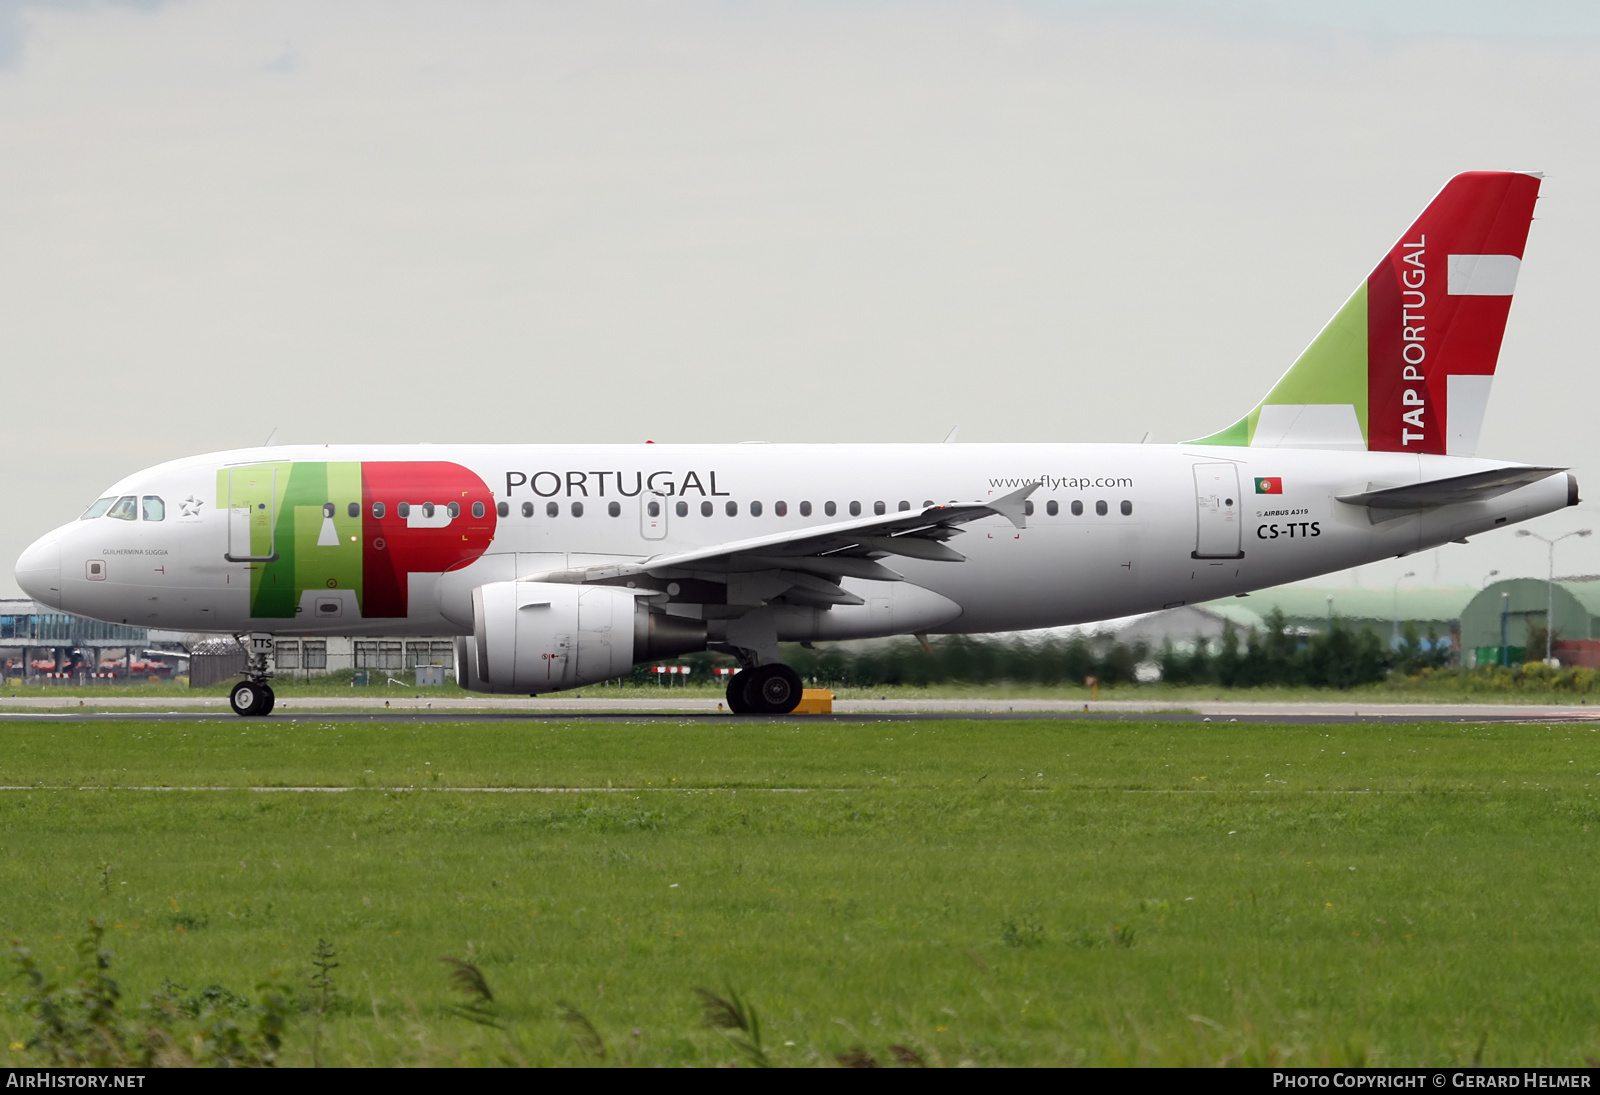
{"x": 1477, "y": 486}
{"x": 805, "y": 565}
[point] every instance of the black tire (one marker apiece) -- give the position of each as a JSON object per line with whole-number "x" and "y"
{"x": 737, "y": 702}
{"x": 268, "y": 700}
{"x": 246, "y": 698}
{"x": 774, "y": 690}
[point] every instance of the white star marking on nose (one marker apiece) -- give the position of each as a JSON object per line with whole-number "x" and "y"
{"x": 190, "y": 506}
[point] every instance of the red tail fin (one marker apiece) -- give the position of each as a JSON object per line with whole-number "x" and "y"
{"x": 1436, "y": 312}
{"x": 1405, "y": 364}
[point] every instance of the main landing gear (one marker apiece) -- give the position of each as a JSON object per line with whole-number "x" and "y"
{"x": 772, "y": 689}
{"x": 252, "y": 698}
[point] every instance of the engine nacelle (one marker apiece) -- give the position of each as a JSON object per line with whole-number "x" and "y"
{"x": 532, "y": 637}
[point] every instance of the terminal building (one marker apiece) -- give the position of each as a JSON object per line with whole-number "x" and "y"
{"x": 39, "y": 644}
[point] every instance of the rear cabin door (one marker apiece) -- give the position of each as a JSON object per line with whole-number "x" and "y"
{"x": 252, "y": 495}
{"x": 1218, "y": 512}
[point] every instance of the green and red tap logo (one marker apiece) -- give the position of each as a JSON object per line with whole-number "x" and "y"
{"x": 364, "y": 526}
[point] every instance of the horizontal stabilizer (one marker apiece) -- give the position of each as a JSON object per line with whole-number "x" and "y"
{"x": 1479, "y": 486}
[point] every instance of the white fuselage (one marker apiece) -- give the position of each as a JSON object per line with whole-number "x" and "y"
{"x": 1180, "y": 524}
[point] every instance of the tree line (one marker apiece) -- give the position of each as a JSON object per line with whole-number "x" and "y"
{"x": 1278, "y": 654}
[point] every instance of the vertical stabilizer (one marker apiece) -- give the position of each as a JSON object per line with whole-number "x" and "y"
{"x": 1406, "y": 364}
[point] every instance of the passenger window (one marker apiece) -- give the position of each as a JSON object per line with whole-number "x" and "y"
{"x": 829, "y": 508}
{"x": 683, "y": 509}
{"x": 1100, "y": 508}
{"x": 1077, "y": 509}
{"x": 878, "y": 508}
{"x": 551, "y": 509}
{"x": 454, "y": 510}
{"x": 327, "y": 509}
{"x": 904, "y": 505}
{"x": 404, "y": 510}
{"x": 733, "y": 509}
{"x": 781, "y": 508}
{"x": 503, "y": 509}
{"x": 928, "y": 503}
{"x": 1027, "y": 508}
{"x": 1052, "y": 507}
{"x": 378, "y": 511}
{"x": 97, "y": 509}
{"x": 1127, "y": 509}
{"x": 577, "y": 509}
{"x": 353, "y": 509}
{"x": 653, "y": 508}
{"x": 527, "y": 509}
{"x": 855, "y": 509}
{"x": 805, "y": 509}
{"x": 427, "y": 509}
{"x": 154, "y": 508}
{"x": 477, "y": 509}
{"x": 125, "y": 509}
{"x": 755, "y": 509}
{"x": 705, "y": 509}
{"x": 615, "y": 510}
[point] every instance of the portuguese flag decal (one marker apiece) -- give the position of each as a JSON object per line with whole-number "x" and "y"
{"x": 1269, "y": 486}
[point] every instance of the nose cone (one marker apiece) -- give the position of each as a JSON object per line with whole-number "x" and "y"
{"x": 39, "y": 571}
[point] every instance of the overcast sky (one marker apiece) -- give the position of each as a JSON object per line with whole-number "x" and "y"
{"x": 462, "y": 221}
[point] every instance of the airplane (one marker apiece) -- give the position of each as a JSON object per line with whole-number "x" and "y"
{"x": 557, "y": 566}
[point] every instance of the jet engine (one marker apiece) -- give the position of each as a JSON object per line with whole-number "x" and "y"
{"x": 533, "y": 637}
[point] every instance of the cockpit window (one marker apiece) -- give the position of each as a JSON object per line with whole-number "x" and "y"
{"x": 97, "y": 509}
{"x": 154, "y": 508}
{"x": 126, "y": 508}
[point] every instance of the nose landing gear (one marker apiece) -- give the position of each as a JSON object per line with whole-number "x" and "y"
{"x": 252, "y": 698}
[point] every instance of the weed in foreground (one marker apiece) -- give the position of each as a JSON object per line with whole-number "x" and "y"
{"x": 1022, "y": 931}
{"x": 477, "y": 999}
{"x": 83, "y": 1026}
{"x": 583, "y": 1031}
{"x": 730, "y": 1013}
{"x": 323, "y": 992}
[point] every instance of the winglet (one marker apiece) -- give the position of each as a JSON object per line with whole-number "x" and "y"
{"x": 1013, "y": 506}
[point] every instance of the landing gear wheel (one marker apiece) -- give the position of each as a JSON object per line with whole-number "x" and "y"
{"x": 737, "y": 703}
{"x": 249, "y": 698}
{"x": 268, "y": 700}
{"x": 773, "y": 690}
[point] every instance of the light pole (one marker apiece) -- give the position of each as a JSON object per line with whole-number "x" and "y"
{"x": 1550, "y": 586}
{"x": 1394, "y": 640}
{"x": 1485, "y": 583}
{"x": 1330, "y": 613}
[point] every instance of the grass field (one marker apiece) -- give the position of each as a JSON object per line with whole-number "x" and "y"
{"x": 995, "y": 893}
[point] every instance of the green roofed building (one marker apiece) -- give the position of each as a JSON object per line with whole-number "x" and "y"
{"x": 1505, "y": 619}
{"x": 1308, "y": 608}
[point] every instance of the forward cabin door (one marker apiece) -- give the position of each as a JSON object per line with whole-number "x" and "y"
{"x": 1218, "y": 511}
{"x": 252, "y": 496}
{"x": 653, "y": 515}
